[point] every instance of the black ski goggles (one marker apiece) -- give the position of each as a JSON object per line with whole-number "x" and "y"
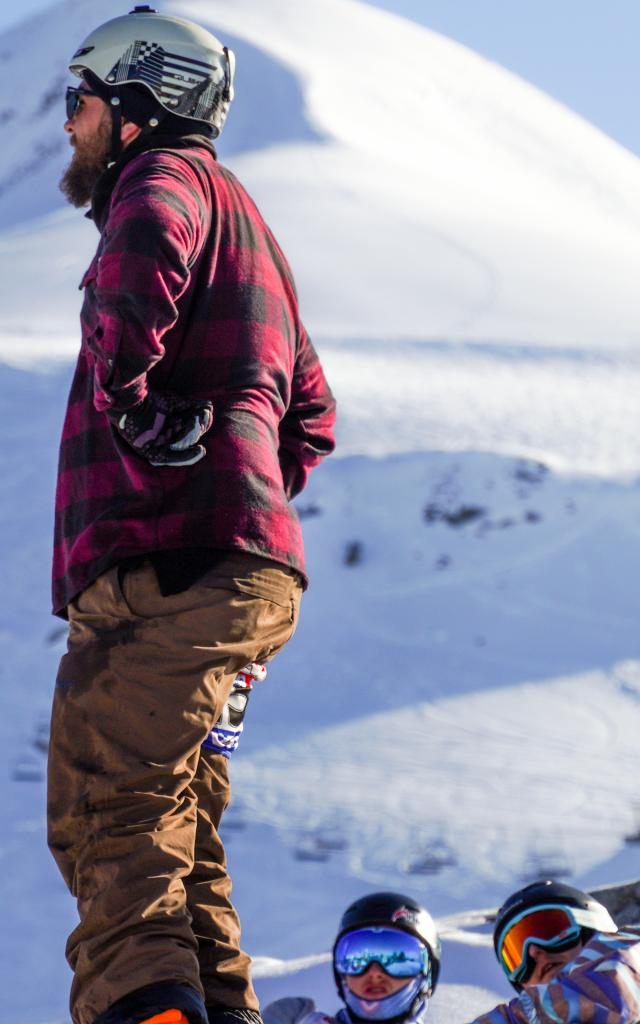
{"x": 73, "y": 97}
{"x": 399, "y": 954}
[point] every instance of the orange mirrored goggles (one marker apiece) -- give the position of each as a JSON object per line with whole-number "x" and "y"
{"x": 550, "y": 926}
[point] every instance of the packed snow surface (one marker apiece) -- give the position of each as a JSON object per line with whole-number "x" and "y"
{"x": 460, "y": 707}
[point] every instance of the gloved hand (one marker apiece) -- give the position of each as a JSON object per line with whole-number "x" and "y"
{"x": 225, "y": 735}
{"x": 165, "y": 429}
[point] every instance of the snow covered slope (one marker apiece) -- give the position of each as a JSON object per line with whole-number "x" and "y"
{"x": 421, "y": 191}
{"x": 459, "y": 710}
{"x": 486, "y": 655}
{"x": 460, "y": 707}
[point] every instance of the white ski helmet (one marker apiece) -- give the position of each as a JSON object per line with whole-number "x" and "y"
{"x": 183, "y": 68}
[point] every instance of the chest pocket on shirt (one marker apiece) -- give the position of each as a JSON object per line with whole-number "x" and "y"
{"x": 89, "y": 318}
{"x": 100, "y": 337}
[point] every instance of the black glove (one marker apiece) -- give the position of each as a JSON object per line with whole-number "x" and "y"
{"x": 165, "y": 429}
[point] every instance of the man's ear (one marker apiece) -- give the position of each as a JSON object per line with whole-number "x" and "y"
{"x": 129, "y": 132}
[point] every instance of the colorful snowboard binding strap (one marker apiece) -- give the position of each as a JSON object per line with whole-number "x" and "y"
{"x": 225, "y": 735}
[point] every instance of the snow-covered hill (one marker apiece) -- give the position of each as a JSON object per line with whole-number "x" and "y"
{"x": 461, "y": 704}
{"x": 421, "y": 191}
{"x": 459, "y": 710}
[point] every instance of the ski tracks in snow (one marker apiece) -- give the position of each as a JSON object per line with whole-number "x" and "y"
{"x": 521, "y": 765}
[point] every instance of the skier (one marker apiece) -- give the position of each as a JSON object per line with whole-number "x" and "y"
{"x": 386, "y": 962}
{"x": 562, "y": 952}
{"x": 197, "y": 410}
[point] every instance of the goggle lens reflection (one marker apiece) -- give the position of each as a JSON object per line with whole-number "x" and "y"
{"x": 399, "y": 954}
{"x": 548, "y": 927}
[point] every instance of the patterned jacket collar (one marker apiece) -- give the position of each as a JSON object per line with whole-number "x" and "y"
{"x": 105, "y": 185}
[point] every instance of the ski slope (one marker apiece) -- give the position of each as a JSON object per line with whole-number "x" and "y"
{"x": 465, "y": 681}
{"x": 421, "y": 191}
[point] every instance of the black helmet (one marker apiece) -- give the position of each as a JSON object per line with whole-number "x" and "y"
{"x": 391, "y": 909}
{"x": 587, "y": 912}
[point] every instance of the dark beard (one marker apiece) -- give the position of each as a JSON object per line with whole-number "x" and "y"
{"x": 88, "y": 163}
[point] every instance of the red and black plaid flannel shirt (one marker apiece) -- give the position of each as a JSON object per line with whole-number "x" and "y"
{"x": 189, "y": 292}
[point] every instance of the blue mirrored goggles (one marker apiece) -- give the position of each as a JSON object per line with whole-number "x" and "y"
{"x": 399, "y": 954}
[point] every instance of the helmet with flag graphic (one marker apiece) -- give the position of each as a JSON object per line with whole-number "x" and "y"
{"x": 158, "y": 69}
{"x": 395, "y": 933}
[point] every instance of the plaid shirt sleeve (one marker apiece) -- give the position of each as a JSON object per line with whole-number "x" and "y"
{"x": 306, "y": 431}
{"x": 601, "y": 986}
{"x": 142, "y": 270}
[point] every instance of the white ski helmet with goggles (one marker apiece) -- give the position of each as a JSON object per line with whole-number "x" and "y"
{"x": 380, "y": 912}
{"x": 583, "y": 915}
{"x": 156, "y": 68}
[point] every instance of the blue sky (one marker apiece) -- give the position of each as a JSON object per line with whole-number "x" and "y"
{"x": 583, "y": 52}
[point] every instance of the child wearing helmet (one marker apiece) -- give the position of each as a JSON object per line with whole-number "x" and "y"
{"x": 386, "y": 962}
{"x": 563, "y": 953}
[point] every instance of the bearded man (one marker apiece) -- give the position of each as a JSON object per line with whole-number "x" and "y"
{"x": 197, "y": 410}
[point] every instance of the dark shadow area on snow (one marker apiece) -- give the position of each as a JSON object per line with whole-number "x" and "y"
{"x": 269, "y": 106}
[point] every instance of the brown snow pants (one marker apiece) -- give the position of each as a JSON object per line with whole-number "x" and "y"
{"x": 134, "y": 803}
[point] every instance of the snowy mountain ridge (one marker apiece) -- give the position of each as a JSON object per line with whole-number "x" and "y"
{"x": 460, "y": 706}
{"x": 496, "y": 213}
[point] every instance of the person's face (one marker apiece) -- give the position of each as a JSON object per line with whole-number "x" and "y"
{"x": 87, "y": 120}
{"x": 548, "y": 963}
{"x": 374, "y": 983}
{"x": 89, "y": 132}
